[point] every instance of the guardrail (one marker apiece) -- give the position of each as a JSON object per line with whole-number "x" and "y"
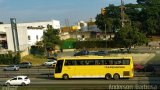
{"x": 50, "y": 75}
{"x": 41, "y": 71}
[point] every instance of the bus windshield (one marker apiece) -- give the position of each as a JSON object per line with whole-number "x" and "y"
{"x": 59, "y": 65}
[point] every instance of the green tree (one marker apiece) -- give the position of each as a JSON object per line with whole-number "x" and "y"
{"x": 150, "y": 18}
{"x": 129, "y": 36}
{"x": 51, "y": 37}
{"x": 111, "y": 19}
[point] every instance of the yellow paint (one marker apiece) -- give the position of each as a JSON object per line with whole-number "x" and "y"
{"x": 95, "y": 71}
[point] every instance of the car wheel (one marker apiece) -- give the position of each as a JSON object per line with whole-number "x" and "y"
{"x": 8, "y": 84}
{"x": 108, "y": 76}
{"x": 23, "y": 84}
{"x": 65, "y": 76}
{"x": 116, "y": 76}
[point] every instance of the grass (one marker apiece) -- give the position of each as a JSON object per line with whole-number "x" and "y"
{"x": 34, "y": 59}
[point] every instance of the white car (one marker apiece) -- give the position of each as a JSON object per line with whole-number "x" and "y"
{"x": 50, "y": 62}
{"x": 11, "y": 68}
{"x": 18, "y": 80}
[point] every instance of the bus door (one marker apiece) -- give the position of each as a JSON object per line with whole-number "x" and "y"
{"x": 59, "y": 66}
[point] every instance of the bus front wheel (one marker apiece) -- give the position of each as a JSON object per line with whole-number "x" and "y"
{"x": 65, "y": 76}
{"x": 116, "y": 76}
{"x": 108, "y": 76}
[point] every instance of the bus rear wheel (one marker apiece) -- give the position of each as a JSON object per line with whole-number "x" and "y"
{"x": 65, "y": 76}
{"x": 108, "y": 76}
{"x": 116, "y": 76}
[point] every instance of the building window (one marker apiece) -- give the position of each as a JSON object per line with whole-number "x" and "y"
{"x": 29, "y": 37}
{"x": 37, "y": 37}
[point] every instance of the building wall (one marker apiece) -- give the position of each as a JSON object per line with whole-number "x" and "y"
{"x": 23, "y": 33}
{"x": 35, "y": 35}
{"x": 3, "y": 26}
{"x": 55, "y": 24}
{"x": 22, "y": 38}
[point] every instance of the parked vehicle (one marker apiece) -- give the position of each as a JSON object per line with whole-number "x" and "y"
{"x": 18, "y": 80}
{"x": 50, "y": 62}
{"x": 25, "y": 65}
{"x": 138, "y": 67}
{"x": 83, "y": 52}
{"x": 99, "y": 53}
{"x": 149, "y": 68}
{"x": 11, "y": 68}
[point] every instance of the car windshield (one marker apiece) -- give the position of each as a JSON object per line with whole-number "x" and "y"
{"x": 15, "y": 78}
{"x": 26, "y": 78}
{"x": 11, "y": 66}
{"x": 49, "y": 61}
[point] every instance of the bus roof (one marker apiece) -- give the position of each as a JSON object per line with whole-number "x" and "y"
{"x": 95, "y": 57}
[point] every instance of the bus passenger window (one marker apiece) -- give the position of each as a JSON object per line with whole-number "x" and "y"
{"x": 96, "y": 62}
{"x": 80, "y": 62}
{"x": 67, "y": 62}
{"x": 101, "y": 62}
{"x": 106, "y": 62}
{"x": 118, "y": 62}
{"x": 126, "y": 62}
{"x": 110, "y": 62}
{"x": 90, "y": 62}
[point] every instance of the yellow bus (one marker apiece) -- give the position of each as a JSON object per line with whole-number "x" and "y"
{"x": 108, "y": 67}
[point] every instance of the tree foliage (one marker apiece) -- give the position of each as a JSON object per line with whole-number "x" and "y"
{"x": 143, "y": 20}
{"x": 129, "y": 36}
{"x": 51, "y": 37}
{"x": 110, "y": 21}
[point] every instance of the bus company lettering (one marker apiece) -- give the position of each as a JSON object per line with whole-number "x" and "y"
{"x": 115, "y": 66}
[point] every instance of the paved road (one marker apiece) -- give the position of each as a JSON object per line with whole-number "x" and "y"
{"x": 90, "y": 83}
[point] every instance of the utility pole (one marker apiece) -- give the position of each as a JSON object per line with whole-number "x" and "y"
{"x": 105, "y": 35}
{"x": 122, "y": 13}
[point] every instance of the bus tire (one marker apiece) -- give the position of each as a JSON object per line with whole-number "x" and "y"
{"x": 65, "y": 76}
{"x": 108, "y": 76}
{"x": 116, "y": 76}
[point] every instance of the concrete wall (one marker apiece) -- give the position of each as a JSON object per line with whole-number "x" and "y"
{"x": 139, "y": 57}
{"x": 22, "y": 38}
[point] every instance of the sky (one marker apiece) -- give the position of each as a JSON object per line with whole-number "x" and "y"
{"x": 67, "y": 11}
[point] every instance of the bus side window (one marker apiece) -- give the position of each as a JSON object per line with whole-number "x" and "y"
{"x": 73, "y": 62}
{"x": 111, "y": 62}
{"x": 67, "y": 62}
{"x": 126, "y": 62}
{"x": 90, "y": 62}
{"x": 106, "y": 62}
{"x": 118, "y": 62}
{"x": 96, "y": 62}
{"x": 80, "y": 62}
{"x": 101, "y": 62}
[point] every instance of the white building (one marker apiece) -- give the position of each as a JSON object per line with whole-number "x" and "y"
{"x": 55, "y": 24}
{"x": 83, "y": 26}
{"x": 28, "y": 33}
{"x": 34, "y": 36}
{"x": 88, "y": 26}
